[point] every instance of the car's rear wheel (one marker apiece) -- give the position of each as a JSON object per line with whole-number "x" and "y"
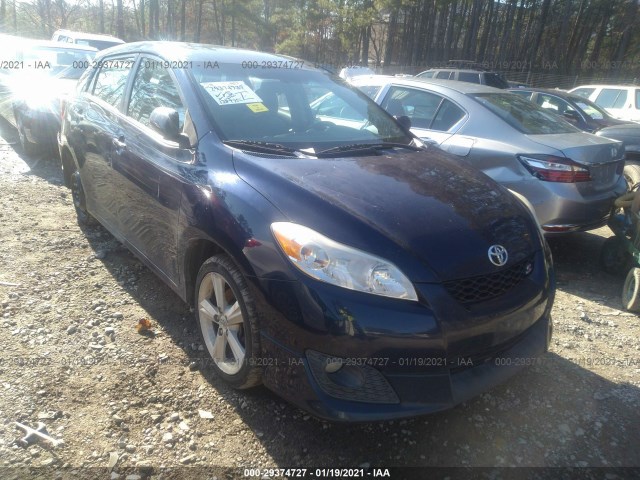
{"x": 614, "y": 257}
{"x": 631, "y": 174}
{"x": 79, "y": 201}
{"x": 631, "y": 291}
{"x": 225, "y": 311}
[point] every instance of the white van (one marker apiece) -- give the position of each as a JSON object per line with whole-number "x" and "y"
{"x": 94, "y": 40}
{"x": 621, "y": 101}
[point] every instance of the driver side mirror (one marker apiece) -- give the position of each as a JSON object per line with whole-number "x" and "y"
{"x": 166, "y": 121}
{"x": 404, "y": 121}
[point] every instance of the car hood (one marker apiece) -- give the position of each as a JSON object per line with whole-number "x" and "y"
{"x": 432, "y": 217}
{"x": 581, "y": 147}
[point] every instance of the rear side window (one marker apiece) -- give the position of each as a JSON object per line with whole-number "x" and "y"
{"x": 583, "y": 92}
{"x": 112, "y": 79}
{"x": 444, "y": 75}
{"x": 448, "y": 115}
{"x": 153, "y": 87}
{"x": 469, "y": 77}
{"x": 418, "y": 105}
{"x": 612, "y": 98}
{"x": 523, "y": 115}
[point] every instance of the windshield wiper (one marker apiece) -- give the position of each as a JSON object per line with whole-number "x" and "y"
{"x": 261, "y": 147}
{"x": 358, "y": 147}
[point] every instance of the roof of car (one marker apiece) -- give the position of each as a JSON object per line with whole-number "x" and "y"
{"x": 182, "y": 51}
{"x": 88, "y": 36}
{"x": 601, "y": 85}
{"x": 32, "y": 42}
{"x": 461, "y": 87}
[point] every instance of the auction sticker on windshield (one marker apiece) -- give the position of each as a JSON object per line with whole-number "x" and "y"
{"x": 231, "y": 93}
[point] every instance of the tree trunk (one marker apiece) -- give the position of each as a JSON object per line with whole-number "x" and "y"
{"x": 120, "y": 21}
{"x": 391, "y": 35}
{"x": 183, "y": 20}
{"x": 142, "y": 25}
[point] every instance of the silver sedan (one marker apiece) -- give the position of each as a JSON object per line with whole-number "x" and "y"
{"x": 569, "y": 178}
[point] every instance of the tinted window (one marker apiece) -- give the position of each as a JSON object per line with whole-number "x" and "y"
{"x": 583, "y": 92}
{"x": 425, "y": 75}
{"x": 418, "y": 105}
{"x": 448, "y": 115}
{"x": 523, "y": 115}
{"x": 469, "y": 77}
{"x": 522, "y": 94}
{"x": 495, "y": 80}
{"x": 612, "y": 98}
{"x": 112, "y": 79}
{"x": 444, "y": 75}
{"x": 153, "y": 87}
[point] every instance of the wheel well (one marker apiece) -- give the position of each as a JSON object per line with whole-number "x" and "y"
{"x": 67, "y": 166}
{"x": 197, "y": 252}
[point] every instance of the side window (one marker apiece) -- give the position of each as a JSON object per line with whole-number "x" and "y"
{"x": 522, "y": 93}
{"x": 584, "y": 92}
{"x": 444, "y": 75}
{"x": 612, "y": 98}
{"x": 112, "y": 79}
{"x": 555, "y": 104}
{"x": 426, "y": 75}
{"x": 469, "y": 77}
{"x": 369, "y": 90}
{"x": 637, "y": 98}
{"x": 418, "y": 105}
{"x": 153, "y": 87}
{"x": 448, "y": 115}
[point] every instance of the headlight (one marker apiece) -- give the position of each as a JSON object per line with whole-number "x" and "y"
{"x": 332, "y": 262}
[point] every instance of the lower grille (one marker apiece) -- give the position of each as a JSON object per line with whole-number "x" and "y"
{"x": 484, "y": 287}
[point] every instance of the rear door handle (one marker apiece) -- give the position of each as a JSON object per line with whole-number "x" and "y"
{"x": 119, "y": 144}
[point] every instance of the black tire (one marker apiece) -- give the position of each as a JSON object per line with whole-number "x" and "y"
{"x": 238, "y": 370}
{"x": 631, "y": 291}
{"x": 27, "y": 147}
{"x": 614, "y": 257}
{"x": 79, "y": 201}
{"x": 631, "y": 174}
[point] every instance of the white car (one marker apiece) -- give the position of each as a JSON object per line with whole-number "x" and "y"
{"x": 621, "y": 101}
{"x": 99, "y": 42}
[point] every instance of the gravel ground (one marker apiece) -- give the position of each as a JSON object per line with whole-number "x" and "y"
{"x": 72, "y": 358}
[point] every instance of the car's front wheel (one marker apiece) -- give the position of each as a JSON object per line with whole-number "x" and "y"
{"x": 79, "y": 201}
{"x": 225, "y": 312}
{"x": 27, "y": 147}
{"x": 631, "y": 291}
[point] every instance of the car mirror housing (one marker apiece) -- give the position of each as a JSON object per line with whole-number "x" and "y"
{"x": 166, "y": 121}
{"x": 404, "y": 121}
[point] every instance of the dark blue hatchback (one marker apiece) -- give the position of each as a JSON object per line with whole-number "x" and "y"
{"x": 328, "y": 253}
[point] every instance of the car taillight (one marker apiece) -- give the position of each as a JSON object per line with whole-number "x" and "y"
{"x": 550, "y": 168}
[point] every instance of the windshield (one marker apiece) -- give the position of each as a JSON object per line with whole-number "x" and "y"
{"x": 295, "y": 108}
{"x": 57, "y": 62}
{"x": 522, "y": 114}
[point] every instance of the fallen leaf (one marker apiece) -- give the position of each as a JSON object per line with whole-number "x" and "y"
{"x": 144, "y": 324}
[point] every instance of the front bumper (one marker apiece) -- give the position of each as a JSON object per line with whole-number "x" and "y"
{"x": 398, "y": 359}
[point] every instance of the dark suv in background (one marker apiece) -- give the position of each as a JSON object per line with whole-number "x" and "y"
{"x": 351, "y": 269}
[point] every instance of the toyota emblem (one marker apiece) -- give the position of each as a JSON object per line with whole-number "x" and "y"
{"x": 498, "y": 255}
